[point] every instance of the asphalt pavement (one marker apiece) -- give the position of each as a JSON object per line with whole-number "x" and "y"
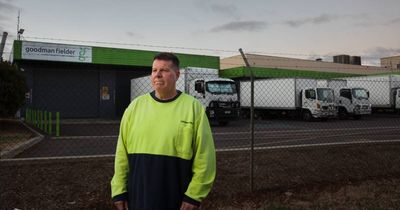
{"x": 99, "y": 138}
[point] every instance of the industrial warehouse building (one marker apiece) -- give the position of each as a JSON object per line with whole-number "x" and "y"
{"x": 94, "y": 82}
{"x": 274, "y": 66}
{"x": 84, "y": 81}
{"x": 392, "y": 62}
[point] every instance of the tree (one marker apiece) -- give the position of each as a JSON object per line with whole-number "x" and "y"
{"x": 12, "y": 89}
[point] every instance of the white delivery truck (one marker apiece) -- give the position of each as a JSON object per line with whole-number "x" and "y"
{"x": 350, "y": 101}
{"x": 384, "y": 90}
{"x": 218, "y": 95}
{"x": 290, "y": 96}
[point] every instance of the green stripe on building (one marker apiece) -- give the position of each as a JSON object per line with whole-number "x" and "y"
{"x": 130, "y": 57}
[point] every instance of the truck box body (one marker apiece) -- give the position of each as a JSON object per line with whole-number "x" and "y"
{"x": 142, "y": 85}
{"x": 275, "y": 93}
{"x": 379, "y": 87}
{"x": 336, "y": 84}
{"x": 218, "y": 95}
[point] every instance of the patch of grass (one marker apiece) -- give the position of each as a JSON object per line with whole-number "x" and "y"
{"x": 10, "y": 139}
{"x": 13, "y": 137}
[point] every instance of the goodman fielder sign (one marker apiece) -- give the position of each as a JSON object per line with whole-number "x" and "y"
{"x": 56, "y": 52}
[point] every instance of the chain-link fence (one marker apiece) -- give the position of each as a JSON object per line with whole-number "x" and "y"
{"x": 294, "y": 132}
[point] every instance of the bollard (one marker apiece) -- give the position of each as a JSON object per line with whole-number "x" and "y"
{"x": 36, "y": 115}
{"x": 45, "y": 121}
{"x": 33, "y": 116}
{"x": 57, "y": 123}
{"x": 29, "y": 116}
{"x": 50, "y": 124}
{"x": 41, "y": 120}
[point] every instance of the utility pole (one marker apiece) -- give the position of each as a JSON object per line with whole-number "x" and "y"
{"x": 18, "y": 25}
{"x": 251, "y": 119}
{"x": 20, "y": 31}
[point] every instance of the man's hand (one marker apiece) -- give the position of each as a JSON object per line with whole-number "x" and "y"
{"x": 188, "y": 206}
{"x": 121, "y": 205}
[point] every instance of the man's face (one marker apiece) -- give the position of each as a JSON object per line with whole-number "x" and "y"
{"x": 164, "y": 76}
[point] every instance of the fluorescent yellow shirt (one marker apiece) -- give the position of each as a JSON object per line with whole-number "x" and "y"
{"x": 165, "y": 153}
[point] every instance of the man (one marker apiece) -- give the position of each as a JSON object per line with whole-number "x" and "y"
{"x": 165, "y": 156}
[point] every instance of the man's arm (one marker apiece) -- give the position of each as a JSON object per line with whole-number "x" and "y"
{"x": 121, "y": 166}
{"x": 204, "y": 164}
{"x": 188, "y": 206}
{"x": 121, "y": 205}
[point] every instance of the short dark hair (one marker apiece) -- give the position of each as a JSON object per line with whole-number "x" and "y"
{"x": 166, "y": 56}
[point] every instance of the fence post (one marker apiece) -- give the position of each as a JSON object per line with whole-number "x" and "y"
{"x": 251, "y": 119}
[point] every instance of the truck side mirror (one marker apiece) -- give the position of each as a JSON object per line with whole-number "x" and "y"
{"x": 199, "y": 86}
{"x": 368, "y": 94}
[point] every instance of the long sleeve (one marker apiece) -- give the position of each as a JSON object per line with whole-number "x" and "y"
{"x": 204, "y": 163}
{"x": 121, "y": 165}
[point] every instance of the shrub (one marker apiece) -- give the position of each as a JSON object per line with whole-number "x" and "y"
{"x": 12, "y": 89}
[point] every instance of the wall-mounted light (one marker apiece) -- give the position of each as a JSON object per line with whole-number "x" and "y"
{"x": 20, "y": 32}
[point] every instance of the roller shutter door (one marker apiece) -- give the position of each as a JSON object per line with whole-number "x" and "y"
{"x": 73, "y": 92}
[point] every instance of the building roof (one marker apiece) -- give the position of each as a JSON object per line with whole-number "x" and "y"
{"x": 392, "y": 57}
{"x": 274, "y": 66}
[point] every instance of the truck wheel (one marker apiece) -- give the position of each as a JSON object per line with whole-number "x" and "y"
{"x": 245, "y": 114}
{"x": 357, "y": 117}
{"x": 342, "y": 114}
{"x": 306, "y": 115}
{"x": 257, "y": 115}
{"x": 324, "y": 119}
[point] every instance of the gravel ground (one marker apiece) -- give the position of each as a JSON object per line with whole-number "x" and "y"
{"x": 345, "y": 177}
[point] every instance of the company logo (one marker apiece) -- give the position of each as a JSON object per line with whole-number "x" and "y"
{"x": 82, "y": 54}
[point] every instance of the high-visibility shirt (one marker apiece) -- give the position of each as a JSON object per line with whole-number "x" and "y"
{"x": 165, "y": 154}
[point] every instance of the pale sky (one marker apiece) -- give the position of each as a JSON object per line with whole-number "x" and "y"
{"x": 303, "y": 29}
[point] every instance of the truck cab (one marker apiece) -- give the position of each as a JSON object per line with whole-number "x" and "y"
{"x": 318, "y": 103}
{"x": 353, "y": 102}
{"x": 219, "y": 96}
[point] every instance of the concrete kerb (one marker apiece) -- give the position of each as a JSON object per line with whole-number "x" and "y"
{"x": 63, "y": 159}
{"x": 17, "y": 149}
{"x": 110, "y": 157}
{"x": 88, "y": 121}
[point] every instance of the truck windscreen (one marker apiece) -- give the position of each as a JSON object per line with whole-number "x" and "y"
{"x": 325, "y": 94}
{"x": 359, "y": 93}
{"x": 221, "y": 87}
